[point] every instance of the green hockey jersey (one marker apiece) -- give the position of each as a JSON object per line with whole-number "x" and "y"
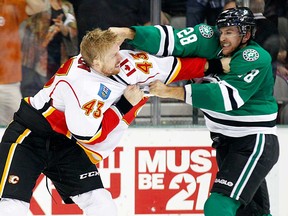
{"x": 236, "y": 104}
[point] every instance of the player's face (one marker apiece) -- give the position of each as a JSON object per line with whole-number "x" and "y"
{"x": 111, "y": 61}
{"x": 230, "y": 38}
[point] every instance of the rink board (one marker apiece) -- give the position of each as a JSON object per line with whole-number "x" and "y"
{"x": 161, "y": 171}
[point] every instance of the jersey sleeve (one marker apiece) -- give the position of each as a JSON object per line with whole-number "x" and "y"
{"x": 201, "y": 40}
{"x": 142, "y": 68}
{"x": 190, "y": 68}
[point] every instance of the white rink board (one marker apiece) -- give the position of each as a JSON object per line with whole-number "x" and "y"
{"x": 145, "y": 176}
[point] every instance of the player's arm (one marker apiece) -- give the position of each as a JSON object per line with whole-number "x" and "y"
{"x": 206, "y": 96}
{"x": 227, "y": 95}
{"x": 191, "y": 68}
{"x": 143, "y": 68}
{"x": 200, "y": 40}
{"x": 161, "y": 90}
{"x": 210, "y": 92}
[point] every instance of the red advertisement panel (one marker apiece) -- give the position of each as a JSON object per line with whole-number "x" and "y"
{"x": 173, "y": 180}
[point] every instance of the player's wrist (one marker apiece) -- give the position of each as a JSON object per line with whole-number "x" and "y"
{"x": 129, "y": 33}
{"x": 123, "y": 105}
{"x": 214, "y": 67}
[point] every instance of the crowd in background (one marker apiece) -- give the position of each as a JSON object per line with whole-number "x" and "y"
{"x": 42, "y": 34}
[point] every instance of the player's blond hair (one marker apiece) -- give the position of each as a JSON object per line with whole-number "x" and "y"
{"x": 95, "y": 44}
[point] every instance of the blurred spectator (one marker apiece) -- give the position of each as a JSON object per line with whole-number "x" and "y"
{"x": 103, "y": 14}
{"x": 271, "y": 10}
{"x": 283, "y": 9}
{"x": 200, "y": 11}
{"x": 175, "y": 11}
{"x": 281, "y": 83}
{"x": 62, "y": 25}
{"x": 267, "y": 34}
{"x": 49, "y": 38}
{"x": 12, "y": 13}
{"x": 282, "y": 58}
{"x": 230, "y": 4}
{"x": 283, "y": 32}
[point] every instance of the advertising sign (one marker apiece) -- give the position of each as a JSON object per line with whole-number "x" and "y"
{"x": 156, "y": 171}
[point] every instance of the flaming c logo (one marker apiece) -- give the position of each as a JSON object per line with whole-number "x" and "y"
{"x": 13, "y": 179}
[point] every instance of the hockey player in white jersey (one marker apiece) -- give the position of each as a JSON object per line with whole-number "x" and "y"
{"x": 77, "y": 119}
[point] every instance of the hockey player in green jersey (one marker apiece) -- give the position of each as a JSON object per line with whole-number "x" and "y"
{"x": 239, "y": 108}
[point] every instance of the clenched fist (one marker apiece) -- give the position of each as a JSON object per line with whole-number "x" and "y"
{"x": 133, "y": 94}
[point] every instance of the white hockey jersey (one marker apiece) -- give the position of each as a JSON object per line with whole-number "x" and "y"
{"x": 82, "y": 101}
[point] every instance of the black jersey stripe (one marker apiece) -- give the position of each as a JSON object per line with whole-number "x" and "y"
{"x": 240, "y": 123}
{"x": 113, "y": 78}
{"x": 166, "y": 43}
{"x": 118, "y": 79}
{"x": 173, "y": 68}
{"x": 82, "y": 137}
{"x": 231, "y": 98}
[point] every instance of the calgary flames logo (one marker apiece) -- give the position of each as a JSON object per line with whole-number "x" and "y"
{"x": 13, "y": 179}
